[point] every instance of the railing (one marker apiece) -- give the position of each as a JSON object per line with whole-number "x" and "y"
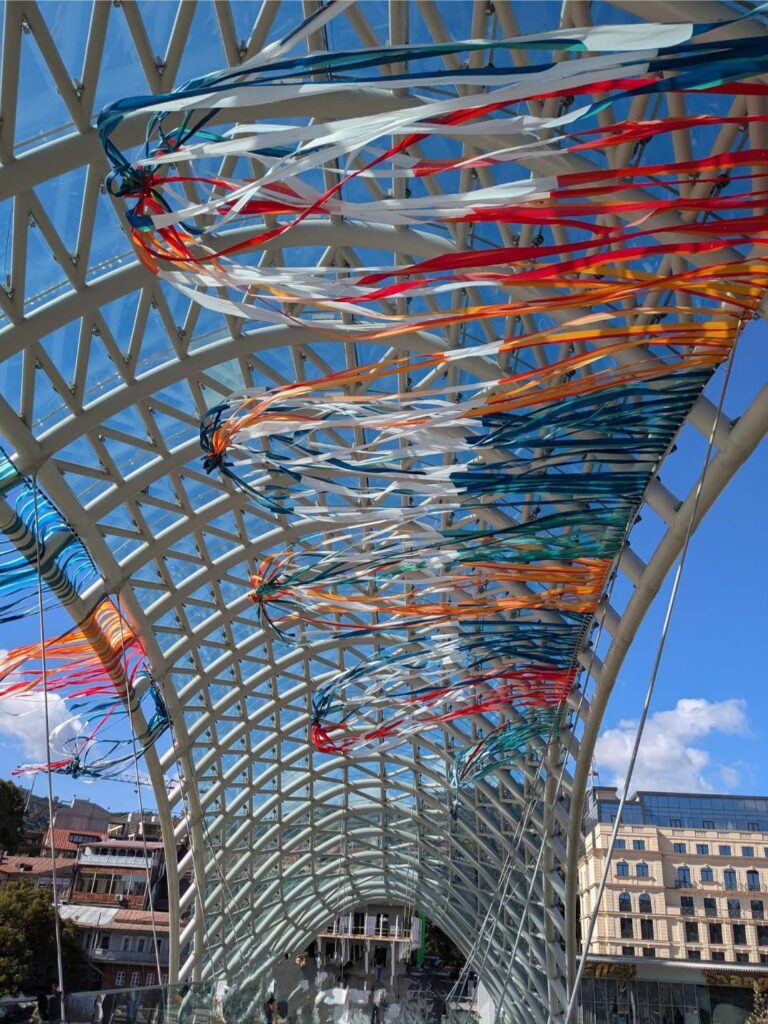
{"x": 135, "y": 902}
{"x": 206, "y": 1003}
{"x": 393, "y": 933}
{"x": 110, "y": 860}
{"x": 128, "y": 957}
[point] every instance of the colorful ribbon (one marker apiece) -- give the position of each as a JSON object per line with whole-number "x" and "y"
{"x": 35, "y": 535}
{"x": 458, "y": 512}
{"x": 95, "y": 667}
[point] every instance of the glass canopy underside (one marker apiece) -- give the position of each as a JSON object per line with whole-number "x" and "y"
{"x": 105, "y": 374}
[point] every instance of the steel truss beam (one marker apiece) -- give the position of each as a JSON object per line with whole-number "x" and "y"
{"x": 278, "y": 840}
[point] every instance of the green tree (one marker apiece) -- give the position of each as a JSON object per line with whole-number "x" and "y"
{"x": 759, "y": 1013}
{"x": 437, "y": 943}
{"x": 11, "y": 816}
{"x": 28, "y": 942}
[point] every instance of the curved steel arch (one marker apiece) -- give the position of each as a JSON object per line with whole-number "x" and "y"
{"x": 199, "y": 639}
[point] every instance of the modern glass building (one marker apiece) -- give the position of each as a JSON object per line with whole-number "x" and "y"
{"x": 680, "y": 810}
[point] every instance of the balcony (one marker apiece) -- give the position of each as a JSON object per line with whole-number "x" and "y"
{"x": 393, "y": 933}
{"x": 109, "y": 899}
{"x": 682, "y": 883}
{"x": 116, "y": 956}
{"x": 111, "y": 860}
{"x": 687, "y": 911}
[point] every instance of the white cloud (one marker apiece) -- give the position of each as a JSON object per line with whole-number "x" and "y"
{"x": 22, "y": 719}
{"x": 668, "y": 758}
{"x": 730, "y": 776}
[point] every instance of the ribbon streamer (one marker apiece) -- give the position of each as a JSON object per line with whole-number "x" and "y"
{"x": 458, "y": 512}
{"x": 95, "y": 668}
{"x": 64, "y": 562}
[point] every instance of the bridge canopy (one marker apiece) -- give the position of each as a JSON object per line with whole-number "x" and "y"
{"x": 342, "y": 344}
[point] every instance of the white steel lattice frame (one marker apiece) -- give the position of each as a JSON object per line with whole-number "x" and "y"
{"x": 278, "y": 839}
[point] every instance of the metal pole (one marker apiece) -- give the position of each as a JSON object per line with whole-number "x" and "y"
{"x": 57, "y": 923}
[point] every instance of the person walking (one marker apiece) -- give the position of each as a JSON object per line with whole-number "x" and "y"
{"x": 379, "y": 1004}
{"x": 97, "y": 1016}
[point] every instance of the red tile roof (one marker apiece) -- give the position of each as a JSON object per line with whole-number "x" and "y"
{"x": 63, "y": 843}
{"x": 34, "y": 865}
{"x": 114, "y": 919}
{"x": 144, "y": 917}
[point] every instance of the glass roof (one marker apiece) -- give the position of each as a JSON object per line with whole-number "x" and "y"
{"x": 105, "y": 374}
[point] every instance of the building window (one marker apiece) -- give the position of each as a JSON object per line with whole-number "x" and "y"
{"x": 646, "y": 928}
{"x": 135, "y": 979}
{"x": 715, "y": 935}
{"x": 683, "y": 878}
{"x": 686, "y": 906}
{"x": 627, "y": 927}
{"x": 638, "y": 844}
{"x": 625, "y": 903}
{"x": 753, "y": 826}
{"x": 620, "y": 844}
{"x": 702, "y": 849}
{"x": 707, "y": 875}
{"x": 725, "y": 851}
{"x": 644, "y": 901}
{"x": 758, "y": 912}
{"x": 762, "y": 935}
{"x": 739, "y": 934}
{"x": 710, "y": 906}
{"x": 119, "y": 979}
{"x": 693, "y": 954}
{"x": 718, "y": 956}
{"x": 747, "y": 851}
{"x": 642, "y": 870}
{"x": 127, "y": 944}
{"x": 734, "y": 908}
{"x": 675, "y": 823}
{"x": 691, "y": 931}
{"x": 140, "y": 944}
{"x": 649, "y": 952}
{"x": 742, "y": 958}
{"x": 706, "y": 823}
{"x": 627, "y": 950}
{"x": 150, "y": 980}
{"x": 764, "y": 958}
{"x": 753, "y": 881}
{"x": 622, "y": 869}
{"x": 678, "y": 847}
{"x": 729, "y": 878}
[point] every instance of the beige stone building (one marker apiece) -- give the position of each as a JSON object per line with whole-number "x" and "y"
{"x": 688, "y": 879}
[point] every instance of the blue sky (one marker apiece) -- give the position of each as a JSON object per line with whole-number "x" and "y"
{"x": 717, "y": 648}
